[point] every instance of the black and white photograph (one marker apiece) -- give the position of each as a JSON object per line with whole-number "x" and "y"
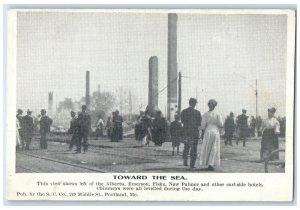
{"x": 151, "y": 92}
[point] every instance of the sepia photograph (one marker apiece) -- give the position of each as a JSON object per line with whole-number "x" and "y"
{"x": 152, "y": 91}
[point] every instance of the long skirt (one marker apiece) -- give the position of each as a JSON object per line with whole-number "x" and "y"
{"x": 210, "y": 150}
{"x": 158, "y": 136}
{"x": 18, "y": 138}
{"x": 117, "y": 134}
{"x": 269, "y": 143}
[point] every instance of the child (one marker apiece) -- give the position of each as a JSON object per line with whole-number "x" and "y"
{"x": 175, "y": 130}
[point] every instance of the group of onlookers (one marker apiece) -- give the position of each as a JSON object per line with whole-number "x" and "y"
{"x": 187, "y": 128}
{"x": 25, "y": 129}
{"x": 190, "y": 126}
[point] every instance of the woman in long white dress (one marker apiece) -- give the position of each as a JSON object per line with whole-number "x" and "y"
{"x": 210, "y": 125}
{"x": 18, "y": 138}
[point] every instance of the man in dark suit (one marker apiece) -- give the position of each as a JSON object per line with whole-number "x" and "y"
{"x": 27, "y": 123}
{"x": 191, "y": 120}
{"x": 45, "y": 124}
{"x": 74, "y": 130}
{"x": 84, "y": 120}
{"x": 242, "y": 124}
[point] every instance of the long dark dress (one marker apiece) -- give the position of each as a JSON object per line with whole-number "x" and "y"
{"x": 269, "y": 141}
{"x": 159, "y": 131}
{"x": 117, "y": 131}
{"x": 243, "y": 125}
{"x": 176, "y": 133}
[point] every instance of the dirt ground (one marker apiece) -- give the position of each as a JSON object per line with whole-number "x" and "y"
{"x": 130, "y": 156}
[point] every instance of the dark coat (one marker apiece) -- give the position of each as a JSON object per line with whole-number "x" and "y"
{"x": 229, "y": 126}
{"x": 74, "y": 126}
{"x": 45, "y": 124}
{"x": 84, "y": 120}
{"x": 242, "y": 124}
{"x": 159, "y": 131}
{"x": 191, "y": 120}
{"x": 175, "y": 130}
{"x": 27, "y": 125}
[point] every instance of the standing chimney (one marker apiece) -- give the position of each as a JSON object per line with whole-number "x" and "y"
{"x": 153, "y": 84}
{"x": 172, "y": 66}
{"x": 50, "y": 103}
{"x": 87, "y": 90}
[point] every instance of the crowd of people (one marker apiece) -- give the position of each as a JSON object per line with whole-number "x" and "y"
{"x": 188, "y": 128}
{"x": 80, "y": 129}
{"x": 25, "y": 129}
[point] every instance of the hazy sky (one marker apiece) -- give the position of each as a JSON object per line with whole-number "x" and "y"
{"x": 220, "y": 55}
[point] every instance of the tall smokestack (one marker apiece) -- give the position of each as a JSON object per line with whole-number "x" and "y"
{"x": 87, "y": 90}
{"x": 50, "y": 103}
{"x": 130, "y": 105}
{"x": 153, "y": 84}
{"x": 172, "y": 65}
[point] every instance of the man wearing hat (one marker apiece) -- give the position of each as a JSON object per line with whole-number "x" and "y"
{"x": 27, "y": 123}
{"x": 84, "y": 120}
{"x": 74, "y": 130}
{"x": 242, "y": 124}
{"x": 45, "y": 124}
{"x": 229, "y": 128}
{"x": 191, "y": 120}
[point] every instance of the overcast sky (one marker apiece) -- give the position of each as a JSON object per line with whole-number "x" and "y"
{"x": 220, "y": 55}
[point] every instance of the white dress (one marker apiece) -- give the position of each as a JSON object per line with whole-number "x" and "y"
{"x": 210, "y": 150}
{"x": 18, "y": 138}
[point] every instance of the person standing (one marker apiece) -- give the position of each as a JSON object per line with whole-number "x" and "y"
{"x": 242, "y": 124}
{"x": 108, "y": 127}
{"x": 270, "y": 130}
{"x": 28, "y": 127}
{"x": 258, "y": 126}
{"x": 84, "y": 120}
{"x": 159, "y": 130}
{"x": 117, "y": 133}
{"x": 210, "y": 150}
{"x": 176, "y": 134}
{"x": 144, "y": 129}
{"x": 45, "y": 124}
{"x": 191, "y": 120}
{"x": 229, "y": 129}
{"x": 19, "y": 129}
{"x": 138, "y": 128}
{"x": 99, "y": 129}
{"x": 252, "y": 126}
{"x": 18, "y": 139}
{"x": 74, "y": 130}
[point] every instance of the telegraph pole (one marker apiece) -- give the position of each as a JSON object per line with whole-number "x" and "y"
{"x": 130, "y": 105}
{"x": 197, "y": 96}
{"x": 256, "y": 93}
{"x": 179, "y": 94}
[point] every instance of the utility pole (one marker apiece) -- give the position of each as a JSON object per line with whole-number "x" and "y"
{"x": 256, "y": 93}
{"x": 130, "y": 105}
{"x": 179, "y": 94}
{"x": 197, "y": 97}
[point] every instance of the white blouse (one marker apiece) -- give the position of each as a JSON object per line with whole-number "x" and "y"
{"x": 211, "y": 120}
{"x": 270, "y": 124}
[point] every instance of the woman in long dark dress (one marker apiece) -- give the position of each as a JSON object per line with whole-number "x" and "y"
{"x": 117, "y": 132}
{"x": 270, "y": 130}
{"x": 159, "y": 131}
